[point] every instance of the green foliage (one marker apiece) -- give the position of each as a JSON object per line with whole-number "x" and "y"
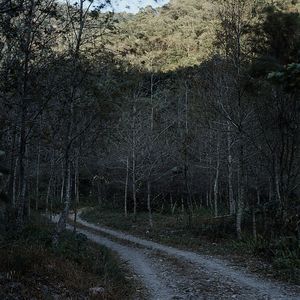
{"x": 283, "y": 253}
{"x": 177, "y": 35}
{"x": 20, "y": 261}
{"x": 276, "y": 35}
{"x": 281, "y": 29}
{"x": 289, "y": 77}
{"x": 288, "y": 267}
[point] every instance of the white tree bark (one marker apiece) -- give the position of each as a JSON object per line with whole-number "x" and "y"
{"x": 230, "y": 171}
{"x": 216, "y": 181}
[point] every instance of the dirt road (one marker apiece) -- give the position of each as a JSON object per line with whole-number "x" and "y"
{"x": 170, "y": 273}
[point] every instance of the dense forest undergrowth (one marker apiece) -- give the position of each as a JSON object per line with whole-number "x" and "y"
{"x": 189, "y": 112}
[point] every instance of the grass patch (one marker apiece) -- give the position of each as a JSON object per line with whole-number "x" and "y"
{"x": 170, "y": 229}
{"x": 31, "y": 268}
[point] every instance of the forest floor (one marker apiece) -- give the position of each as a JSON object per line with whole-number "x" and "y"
{"x": 31, "y": 268}
{"x": 171, "y": 273}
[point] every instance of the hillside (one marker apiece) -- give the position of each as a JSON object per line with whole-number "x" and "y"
{"x": 177, "y": 35}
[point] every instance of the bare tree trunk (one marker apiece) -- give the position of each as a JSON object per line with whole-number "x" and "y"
{"x": 277, "y": 184}
{"x": 76, "y": 189}
{"x": 216, "y": 182}
{"x": 37, "y": 186}
{"x": 70, "y": 138}
{"x": 23, "y": 114}
{"x": 62, "y": 190}
{"x": 173, "y": 208}
{"x": 298, "y": 227}
{"x": 49, "y": 184}
{"x": 230, "y": 172}
{"x": 186, "y": 162}
{"x": 134, "y": 163}
{"x": 171, "y": 203}
{"x": 270, "y": 190}
{"x": 47, "y": 196}
{"x": 186, "y": 109}
{"x": 76, "y": 179}
{"x": 254, "y": 223}
{"x": 207, "y": 199}
{"x": 134, "y": 185}
{"x": 149, "y": 203}
{"x": 126, "y": 188}
{"x": 210, "y": 173}
{"x": 152, "y": 104}
{"x": 14, "y": 183}
{"x": 257, "y": 196}
{"x": 61, "y": 225}
{"x": 13, "y": 169}
{"x": 22, "y": 178}
{"x": 240, "y": 203}
{"x": 27, "y": 188}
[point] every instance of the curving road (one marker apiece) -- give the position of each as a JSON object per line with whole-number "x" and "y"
{"x": 170, "y": 273}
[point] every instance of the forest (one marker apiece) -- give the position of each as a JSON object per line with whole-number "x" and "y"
{"x": 178, "y": 125}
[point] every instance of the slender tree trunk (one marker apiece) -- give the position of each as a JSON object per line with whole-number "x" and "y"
{"x": 13, "y": 168}
{"x": 186, "y": 109}
{"x": 62, "y": 190}
{"x": 22, "y": 176}
{"x": 230, "y": 172}
{"x": 270, "y": 190}
{"x": 298, "y": 228}
{"x": 27, "y": 189}
{"x": 134, "y": 185}
{"x": 62, "y": 222}
{"x": 240, "y": 203}
{"x": 37, "y": 185}
{"x": 210, "y": 173}
{"x": 216, "y": 182}
{"x": 207, "y": 199}
{"x": 171, "y": 203}
{"x": 126, "y": 188}
{"x": 14, "y": 183}
{"x": 254, "y": 223}
{"x": 134, "y": 163}
{"x": 78, "y": 32}
{"x": 152, "y": 104}
{"x": 76, "y": 189}
{"x": 149, "y": 203}
{"x": 61, "y": 225}
{"x": 49, "y": 184}
{"x": 278, "y": 187}
{"x": 76, "y": 179}
{"x": 23, "y": 114}
{"x": 257, "y": 196}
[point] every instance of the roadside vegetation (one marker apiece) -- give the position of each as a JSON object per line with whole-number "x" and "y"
{"x": 30, "y": 267}
{"x": 278, "y": 258}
